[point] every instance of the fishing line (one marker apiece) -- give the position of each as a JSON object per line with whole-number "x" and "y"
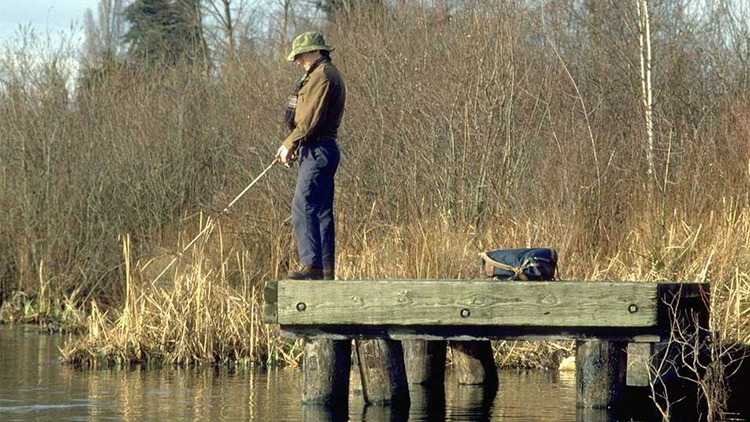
{"x": 210, "y": 222}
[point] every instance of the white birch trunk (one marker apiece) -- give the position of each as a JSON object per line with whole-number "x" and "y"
{"x": 646, "y": 88}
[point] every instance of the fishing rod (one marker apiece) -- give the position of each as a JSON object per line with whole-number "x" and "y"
{"x": 210, "y": 222}
{"x": 263, "y": 173}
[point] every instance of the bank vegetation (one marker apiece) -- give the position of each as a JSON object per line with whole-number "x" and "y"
{"x": 469, "y": 126}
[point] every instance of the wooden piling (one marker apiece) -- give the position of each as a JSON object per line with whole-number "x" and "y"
{"x": 325, "y": 371}
{"x": 600, "y": 372}
{"x": 381, "y": 364}
{"x": 603, "y": 317}
{"x": 639, "y": 364}
{"x": 424, "y": 361}
{"x": 474, "y": 363}
{"x": 355, "y": 377}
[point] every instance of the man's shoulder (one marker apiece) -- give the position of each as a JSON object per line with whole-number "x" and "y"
{"x": 330, "y": 72}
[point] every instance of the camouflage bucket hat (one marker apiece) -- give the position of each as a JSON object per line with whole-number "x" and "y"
{"x": 309, "y": 41}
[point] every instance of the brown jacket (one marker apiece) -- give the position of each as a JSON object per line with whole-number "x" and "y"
{"x": 320, "y": 105}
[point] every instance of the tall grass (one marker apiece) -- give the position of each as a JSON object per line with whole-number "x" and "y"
{"x": 491, "y": 126}
{"x": 197, "y": 317}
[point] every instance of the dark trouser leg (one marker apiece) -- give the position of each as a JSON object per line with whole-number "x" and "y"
{"x": 328, "y": 234}
{"x": 312, "y": 206}
{"x": 306, "y": 222}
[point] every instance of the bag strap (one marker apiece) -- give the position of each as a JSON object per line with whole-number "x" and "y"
{"x": 518, "y": 271}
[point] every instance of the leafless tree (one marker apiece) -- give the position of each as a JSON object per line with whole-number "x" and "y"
{"x": 644, "y": 42}
{"x": 286, "y": 14}
{"x": 696, "y": 354}
{"x": 226, "y": 13}
{"x": 234, "y": 26}
{"x": 103, "y": 35}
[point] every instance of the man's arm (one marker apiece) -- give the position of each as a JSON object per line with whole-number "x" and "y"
{"x": 311, "y": 108}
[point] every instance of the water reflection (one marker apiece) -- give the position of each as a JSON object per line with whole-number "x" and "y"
{"x": 34, "y": 387}
{"x": 427, "y": 403}
{"x": 624, "y": 413}
{"x": 473, "y": 402}
{"x": 325, "y": 413}
{"x": 594, "y": 415}
{"x": 373, "y": 413}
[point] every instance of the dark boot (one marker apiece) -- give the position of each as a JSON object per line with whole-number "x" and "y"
{"x": 329, "y": 274}
{"x": 307, "y": 273}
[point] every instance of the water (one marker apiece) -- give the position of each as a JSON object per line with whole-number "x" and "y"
{"x": 35, "y": 387}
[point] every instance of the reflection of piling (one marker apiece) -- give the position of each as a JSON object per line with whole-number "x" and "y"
{"x": 338, "y": 412}
{"x": 428, "y": 401}
{"x": 475, "y": 400}
{"x": 372, "y": 413}
{"x": 588, "y": 414}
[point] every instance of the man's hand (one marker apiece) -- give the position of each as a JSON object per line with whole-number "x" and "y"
{"x": 285, "y": 156}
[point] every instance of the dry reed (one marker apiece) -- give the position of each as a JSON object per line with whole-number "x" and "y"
{"x": 475, "y": 134}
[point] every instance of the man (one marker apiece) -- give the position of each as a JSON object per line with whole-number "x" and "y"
{"x": 313, "y": 117}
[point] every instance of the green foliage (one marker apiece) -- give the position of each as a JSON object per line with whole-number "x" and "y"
{"x": 165, "y": 31}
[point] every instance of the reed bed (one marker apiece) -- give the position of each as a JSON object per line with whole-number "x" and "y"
{"x": 205, "y": 313}
{"x": 197, "y": 317}
{"x": 499, "y": 125}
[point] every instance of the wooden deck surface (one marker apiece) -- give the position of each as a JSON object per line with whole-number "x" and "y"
{"x": 475, "y": 309}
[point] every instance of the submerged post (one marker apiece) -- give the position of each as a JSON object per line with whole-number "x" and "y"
{"x": 603, "y": 317}
{"x": 425, "y": 361}
{"x": 600, "y": 372}
{"x": 475, "y": 363}
{"x": 326, "y": 363}
{"x": 381, "y": 365}
{"x": 325, "y": 371}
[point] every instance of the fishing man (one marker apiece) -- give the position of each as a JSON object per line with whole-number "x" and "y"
{"x": 313, "y": 116}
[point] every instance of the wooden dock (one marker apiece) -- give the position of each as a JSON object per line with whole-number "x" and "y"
{"x": 603, "y": 317}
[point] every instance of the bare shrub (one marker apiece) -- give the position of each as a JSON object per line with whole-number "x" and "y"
{"x": 465, "y": 130}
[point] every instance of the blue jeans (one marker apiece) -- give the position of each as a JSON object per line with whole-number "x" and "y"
{"x": 312, "y": 206}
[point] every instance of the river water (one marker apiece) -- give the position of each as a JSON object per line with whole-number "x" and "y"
{"x": 35, "y": 387}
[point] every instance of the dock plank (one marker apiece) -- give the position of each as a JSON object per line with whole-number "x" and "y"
{"x": 467, "y": 303}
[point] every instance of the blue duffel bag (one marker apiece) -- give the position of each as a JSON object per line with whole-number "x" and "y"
{"x": 537, "y": 264}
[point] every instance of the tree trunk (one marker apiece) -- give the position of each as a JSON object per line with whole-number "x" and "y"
{"x": 644, "y": 39}
{"x": 228, "y": 28}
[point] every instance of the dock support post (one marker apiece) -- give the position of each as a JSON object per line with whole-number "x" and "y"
{"x": 600, "y": 372}
{"x": 381, "y": 364}
{"x": 355, "y": 376}
{"x": 325, "y": 371}
{"x": 474, "y": 363}
{"x": 424, "y": 361}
